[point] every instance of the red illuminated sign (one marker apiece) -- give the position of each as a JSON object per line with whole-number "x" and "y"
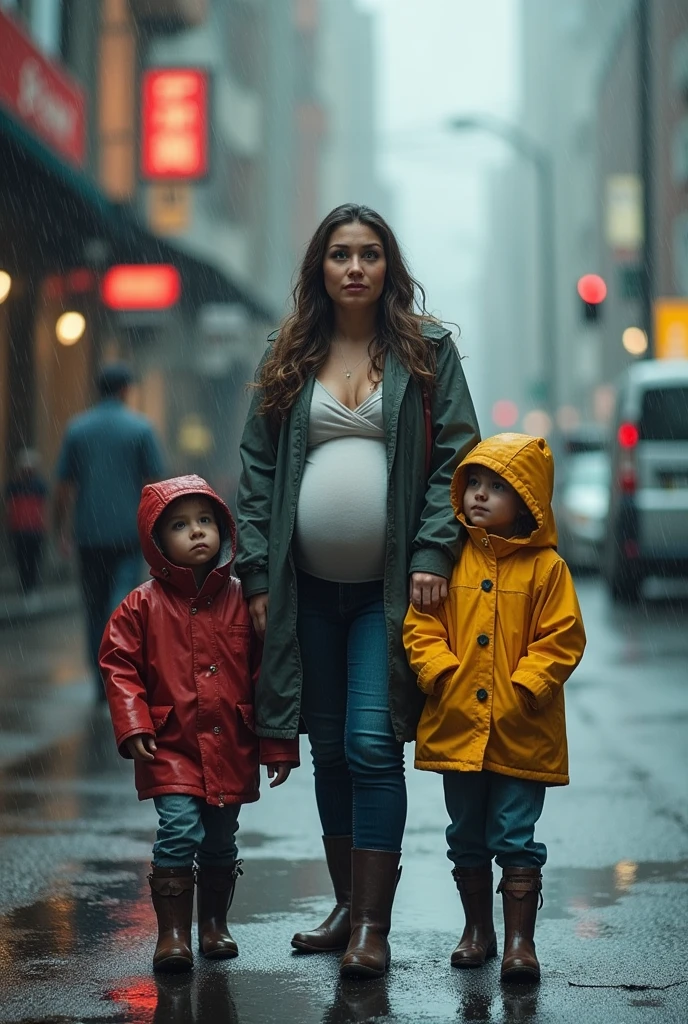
{"x": 592, "y": 289}
{"x": 140, "y": 287}
{"x": 174, "y": 124}
{"x": 40, "y": 95}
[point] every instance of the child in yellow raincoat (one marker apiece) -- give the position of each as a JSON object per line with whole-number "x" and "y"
{"x": 493, "y": 661}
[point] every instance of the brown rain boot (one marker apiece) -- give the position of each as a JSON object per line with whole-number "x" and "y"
{"x": 335, "y": 931}
{"x": 172, "y": 896}
{"x": 214, "y": 895}
{"x": 374, "y": 878}
{"x": 478, "y": 942}
{"x": 521, "y": 889}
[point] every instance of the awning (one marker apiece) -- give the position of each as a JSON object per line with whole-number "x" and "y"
{"x": 58, "y": 205}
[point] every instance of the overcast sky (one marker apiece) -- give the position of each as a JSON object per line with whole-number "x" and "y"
{"x": 438, "y": 58}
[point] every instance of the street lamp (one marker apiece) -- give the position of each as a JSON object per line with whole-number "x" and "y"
{"x": 542, "y": 161}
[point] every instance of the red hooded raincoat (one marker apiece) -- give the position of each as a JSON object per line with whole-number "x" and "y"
{"x": 183, "y": 664}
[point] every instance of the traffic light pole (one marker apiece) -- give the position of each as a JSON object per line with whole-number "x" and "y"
{"x": 542, "y": 161}
{"x": 644, "y": 15}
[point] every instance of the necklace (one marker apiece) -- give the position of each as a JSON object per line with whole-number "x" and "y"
{"x": 347, "y": 371}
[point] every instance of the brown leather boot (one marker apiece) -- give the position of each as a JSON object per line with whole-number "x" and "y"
{"x": 478, "y": 942}
{"x": 374, "y": 878}
{"x": 521, "y": 889}
{"x": 172, "y": 896}
{"x": 335, "y": 931}
{"x": 214, "y": 895}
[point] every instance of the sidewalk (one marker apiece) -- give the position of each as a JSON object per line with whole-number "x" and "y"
{"x": 50, "y": 599}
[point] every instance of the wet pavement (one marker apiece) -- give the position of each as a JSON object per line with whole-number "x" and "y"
{"x": 76, "y": 926}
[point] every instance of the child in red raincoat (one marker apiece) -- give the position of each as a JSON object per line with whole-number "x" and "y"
{"x": 180, "y": 662}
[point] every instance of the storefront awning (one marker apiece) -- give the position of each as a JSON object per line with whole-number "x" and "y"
{"x": 64, "y": 205}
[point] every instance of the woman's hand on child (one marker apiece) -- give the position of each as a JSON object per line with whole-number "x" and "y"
{"x": 427, "y": 591}
{"x": 141, "y": 748}
{"x": 279, "y": 773}
{"x": 258, "y": 610}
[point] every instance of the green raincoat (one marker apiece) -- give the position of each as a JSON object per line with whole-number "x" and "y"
{"x": 423, "y": 535}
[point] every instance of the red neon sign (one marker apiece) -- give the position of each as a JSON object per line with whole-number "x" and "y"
{"x": 41, "y": 94}
{"x": 174, "y": 124}
{"x": 140, "y": 287}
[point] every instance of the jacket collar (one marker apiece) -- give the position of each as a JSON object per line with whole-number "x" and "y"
{"x": 500, "y": 547}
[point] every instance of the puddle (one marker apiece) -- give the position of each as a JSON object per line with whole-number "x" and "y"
{"x": 568, "y": 891}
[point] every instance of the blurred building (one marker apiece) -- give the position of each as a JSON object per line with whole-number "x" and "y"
{"x": 91, "y": 178}
{"x": 565, "y": 48}
{"x": 349, "y": 145}
{"x": 642, "y": 161}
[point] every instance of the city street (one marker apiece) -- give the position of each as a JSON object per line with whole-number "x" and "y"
{"x": 76, "y": 926}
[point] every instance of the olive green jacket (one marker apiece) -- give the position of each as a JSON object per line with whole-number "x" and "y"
{"x": 423, "y": 534}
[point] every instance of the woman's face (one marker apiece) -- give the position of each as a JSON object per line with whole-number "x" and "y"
{"x": 354, "y": 266}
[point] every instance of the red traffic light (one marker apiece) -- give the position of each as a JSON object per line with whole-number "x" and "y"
{"x": 592, "y": 289}
{"x": 141, "y": 286}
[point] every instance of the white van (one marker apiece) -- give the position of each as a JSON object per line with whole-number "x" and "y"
{"x": 647, "y": 523}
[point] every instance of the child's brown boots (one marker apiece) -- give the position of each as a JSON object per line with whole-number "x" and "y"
{"x": 521, "y": 890}
{"x": 215, "y": 894}
{"x": 478, "y": 942}
{"x": 172, "y": 896}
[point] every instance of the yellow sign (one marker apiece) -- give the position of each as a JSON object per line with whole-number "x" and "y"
{"x": 169, "y": 208}
{"x": 671, "y": 329}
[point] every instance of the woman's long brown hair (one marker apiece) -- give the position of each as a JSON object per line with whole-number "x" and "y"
{"x": 303, "y": 341}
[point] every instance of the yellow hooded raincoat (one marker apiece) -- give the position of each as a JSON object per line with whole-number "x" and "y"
{"x": 511, "y": 616}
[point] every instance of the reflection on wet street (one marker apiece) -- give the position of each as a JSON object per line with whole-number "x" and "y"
{"x": 77, "y": 929}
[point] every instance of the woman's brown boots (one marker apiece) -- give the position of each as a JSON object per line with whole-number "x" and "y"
{"x": 478, "y": 942}
{"x": 374, "y": 878}
{"x": 521, "y": 890}
{"x": 335, "y": 931}
{"x": 364, "y": 884}
{"x": 172, "y": 892}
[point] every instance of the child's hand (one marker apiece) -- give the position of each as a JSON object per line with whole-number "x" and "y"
{"x": 279, "y": 772}
{"x": 141, "y": 748}
{"x": 442, "y": 681}
{"x": 526, "y": 697}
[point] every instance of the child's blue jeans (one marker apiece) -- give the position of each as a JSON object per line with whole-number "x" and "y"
{"x": 493, "y": 816}
{"x": 191, "y": 828}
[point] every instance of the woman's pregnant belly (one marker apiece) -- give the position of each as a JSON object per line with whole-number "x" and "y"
{"x": 341, "y": 518}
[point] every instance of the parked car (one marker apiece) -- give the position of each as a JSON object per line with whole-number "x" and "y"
{"x": 647, "y": 523}
{"x": 583, "y": 507}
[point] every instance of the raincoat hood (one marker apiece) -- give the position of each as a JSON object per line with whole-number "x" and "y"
{"x": 155, "y": 498}
{"x": 527, "y": 464}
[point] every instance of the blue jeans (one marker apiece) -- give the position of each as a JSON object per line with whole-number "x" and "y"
{"x": 190, "y": 828}
{"x": 358, "y": 762}
{"x": 493, "y": 816}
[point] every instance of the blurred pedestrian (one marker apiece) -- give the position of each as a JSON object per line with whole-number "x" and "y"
{"x": 26, "y": 504}
{"x": 180, "y": 661}
{"x": 492, "y": 660}
{"x": 361, "y": 414}
{"x": 108, "y": 454}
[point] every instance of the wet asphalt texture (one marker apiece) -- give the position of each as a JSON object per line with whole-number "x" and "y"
{"x": 77, "y": 928}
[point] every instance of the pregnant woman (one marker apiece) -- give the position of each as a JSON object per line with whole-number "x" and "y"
{"x": 360, "y": 416}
